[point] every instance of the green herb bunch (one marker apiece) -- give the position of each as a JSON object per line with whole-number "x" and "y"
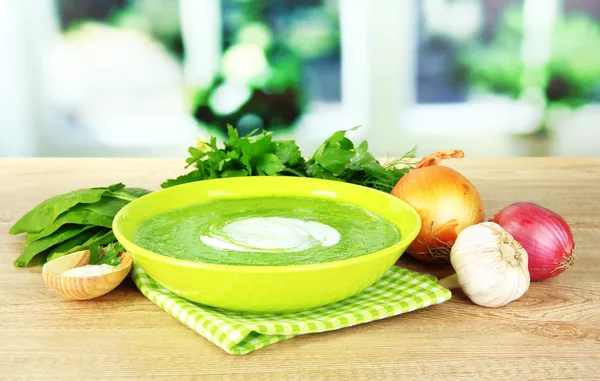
{"x": 110, "y": 255}
{"x": 259, "y": 155}
{"x": 72, "y": 222}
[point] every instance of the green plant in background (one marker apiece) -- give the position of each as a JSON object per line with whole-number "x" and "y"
{"x": 257, "y": 87}
{"x": 260, "y": 82}
{"x": 159, "y": 19}
{"x": 569, "y": 77}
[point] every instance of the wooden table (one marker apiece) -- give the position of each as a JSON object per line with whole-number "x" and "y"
{"x": 552, "y": 333}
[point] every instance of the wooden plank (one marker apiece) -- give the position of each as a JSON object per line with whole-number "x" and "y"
{"x": 553, "y": 332}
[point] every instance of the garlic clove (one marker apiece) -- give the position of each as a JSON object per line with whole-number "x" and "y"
{"x": 80, "y": 286}
{"x": 490, "y": 265}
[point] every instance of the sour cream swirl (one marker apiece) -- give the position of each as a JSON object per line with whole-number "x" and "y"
{"x": 270, "y": 234}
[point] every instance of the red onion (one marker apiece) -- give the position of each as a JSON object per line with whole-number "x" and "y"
{"x": 545, "y": 235}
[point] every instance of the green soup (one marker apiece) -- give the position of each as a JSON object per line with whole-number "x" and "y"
{"x": 267, "y": 231}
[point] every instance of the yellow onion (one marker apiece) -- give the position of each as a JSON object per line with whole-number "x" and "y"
{"x": 446, "y": 201}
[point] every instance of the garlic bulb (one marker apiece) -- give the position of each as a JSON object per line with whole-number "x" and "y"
{"x": 491, "y": 266}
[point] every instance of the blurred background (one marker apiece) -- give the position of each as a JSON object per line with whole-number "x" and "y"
{"x": 495, "y": 78}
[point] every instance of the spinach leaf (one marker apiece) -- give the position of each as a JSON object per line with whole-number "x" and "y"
{"x": 107, "y": 206}
{"x": 126, "y": 194}
{"x": 72, "y": 221}
{"x": 36, "y": 247}
{"x": 135, "y": 192}
{"x": 38, "y": 218}
{"x": 76, "y": 215}
{"x": 100, "y": 237}
{"x": 76, "y": 241}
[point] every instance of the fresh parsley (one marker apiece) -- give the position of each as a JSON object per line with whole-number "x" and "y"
{"x": 108, "y": 255}
{"x": 257, "y": 154}
{"x": 252, "y": 155}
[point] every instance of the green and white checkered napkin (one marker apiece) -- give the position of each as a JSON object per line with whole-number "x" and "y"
{"x": 397, "y": 292}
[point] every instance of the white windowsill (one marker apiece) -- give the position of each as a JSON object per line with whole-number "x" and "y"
{"x": 482, "y": 130}
{"x": 143, "y": 133}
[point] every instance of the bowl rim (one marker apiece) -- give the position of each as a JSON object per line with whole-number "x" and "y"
{"x": 405, "y": 241}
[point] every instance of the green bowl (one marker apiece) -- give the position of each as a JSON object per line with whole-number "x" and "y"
{"x": 268, "y": 289}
